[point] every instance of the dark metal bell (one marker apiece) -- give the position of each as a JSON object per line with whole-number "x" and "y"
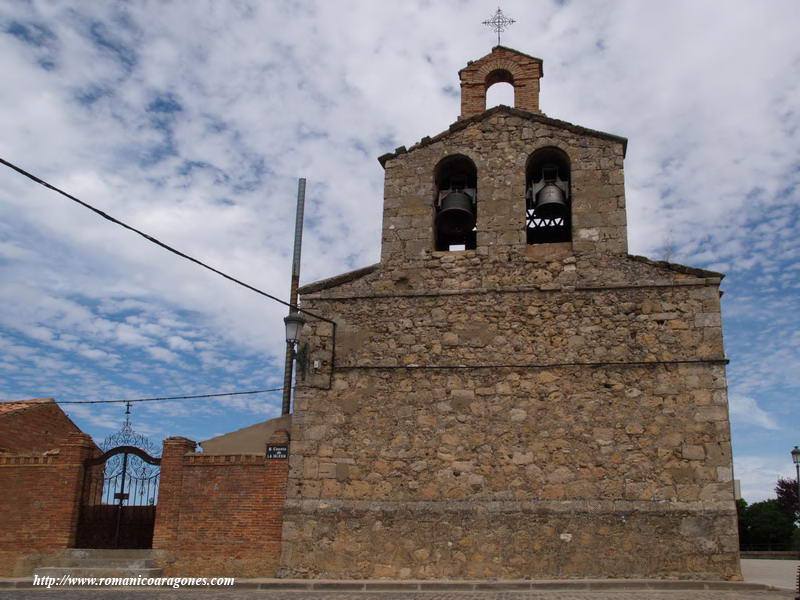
{"x": 550, "y": 203}
{"x": 456, "y": 216}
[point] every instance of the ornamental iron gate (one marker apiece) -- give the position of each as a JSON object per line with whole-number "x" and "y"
{"x": 118, "y": 505}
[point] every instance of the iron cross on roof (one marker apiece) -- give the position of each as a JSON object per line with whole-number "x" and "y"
{"x": 498, "y": 23}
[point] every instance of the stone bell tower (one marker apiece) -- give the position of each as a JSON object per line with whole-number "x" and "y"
{"x": 508, "y": 393}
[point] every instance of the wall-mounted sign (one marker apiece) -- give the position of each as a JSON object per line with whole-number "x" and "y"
{"x": 280, "y": 452}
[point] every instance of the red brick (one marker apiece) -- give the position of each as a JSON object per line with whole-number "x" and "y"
{"x": 220, "y": 514}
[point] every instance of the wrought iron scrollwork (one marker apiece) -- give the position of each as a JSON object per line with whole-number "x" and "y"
{"x": 120, "y": 492}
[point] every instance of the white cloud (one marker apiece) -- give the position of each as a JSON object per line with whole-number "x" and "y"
{"x": 176, "y": 342}
{"x": 745, "y": 411}
{"x": 103, "y": 420}
{"x": 758, "y": 475}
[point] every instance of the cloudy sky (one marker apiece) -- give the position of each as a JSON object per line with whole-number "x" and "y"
{"x": 193, "y": 120}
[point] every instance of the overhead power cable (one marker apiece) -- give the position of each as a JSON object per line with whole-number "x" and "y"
{"x": 150, "y": 238}
{"x": 157, "y": 399}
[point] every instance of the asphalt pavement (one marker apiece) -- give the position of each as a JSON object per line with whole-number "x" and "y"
{"x": 777, "y": 573}
{"x": 161, "y": 594}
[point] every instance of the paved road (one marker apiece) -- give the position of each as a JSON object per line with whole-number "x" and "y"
{"x": 30, "y": 594}
{"x": 777, "y": 573}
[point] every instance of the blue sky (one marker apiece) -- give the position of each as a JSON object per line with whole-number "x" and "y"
{"x": 193, "y": 121}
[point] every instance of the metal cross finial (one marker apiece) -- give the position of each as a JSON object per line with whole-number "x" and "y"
{"x": 498, "y": 23}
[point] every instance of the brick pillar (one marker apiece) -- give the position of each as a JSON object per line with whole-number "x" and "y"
{"x": 473, "y": 98}
{"x": 169, "y": 492}
{"x": 526, "y": 93}
{"x": 68, "y": 487}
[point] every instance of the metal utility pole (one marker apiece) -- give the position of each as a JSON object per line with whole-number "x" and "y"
{"x": 796, "y": 459}
{"x": 298, "y": 241}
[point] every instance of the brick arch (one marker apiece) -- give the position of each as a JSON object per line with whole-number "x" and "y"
{"x": 500, "y": 65}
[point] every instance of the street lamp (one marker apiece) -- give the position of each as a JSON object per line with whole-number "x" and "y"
{"x": 294, "y": 323}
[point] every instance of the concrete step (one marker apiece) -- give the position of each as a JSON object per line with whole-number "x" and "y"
{"x": 90, "y": 562}
{"x": 123, "y": 563}
{"x": 59, "y": 572}
{"x": 106, "y": 553}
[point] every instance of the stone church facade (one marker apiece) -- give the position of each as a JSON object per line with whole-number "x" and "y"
{"x": 513, "y": 395}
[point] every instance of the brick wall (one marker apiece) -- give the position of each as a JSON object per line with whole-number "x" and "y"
{"x": 39, "y": 503}
{"x": 220, "y": 514}
{"x": 506, "y": 65}
{"x": 40, "y": 426}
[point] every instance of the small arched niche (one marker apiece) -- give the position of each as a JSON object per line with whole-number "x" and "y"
{"x": 547, "y": 197}
{"x": 456, "y": 208}
{"x": 499, "y": 89}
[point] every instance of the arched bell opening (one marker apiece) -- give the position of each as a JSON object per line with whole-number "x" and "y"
{"x": 500, "y": 93}
{"x": 547, "y": 197}
{"x": 499, "y": 89}
{"x": 456, "y": 209}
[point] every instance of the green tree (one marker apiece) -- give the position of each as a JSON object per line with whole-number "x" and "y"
{"x": 786, "y": 491}
{"x": 741, "y": 517}
{"x": 766, "y": 526}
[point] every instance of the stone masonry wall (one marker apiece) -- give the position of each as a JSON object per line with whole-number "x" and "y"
{"x": 220, "y": 514}
{"x": 515, "y": 411}
{"x": 515, "y": 327}
{"x": 613, "y": 432}
{"x": 550, "y": 431}
{"x": 500, "y": 143}
{"x": 507, "y": 540}
{"x": 597, "y": 424}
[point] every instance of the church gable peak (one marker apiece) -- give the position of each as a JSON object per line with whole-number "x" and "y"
{"x": 507, "y": 111}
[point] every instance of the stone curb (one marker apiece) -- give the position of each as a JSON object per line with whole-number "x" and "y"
{"x": 461, "y": 586}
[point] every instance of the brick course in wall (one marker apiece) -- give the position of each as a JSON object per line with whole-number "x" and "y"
{"x": 39, "y": 503}
{"x": 220, "y": 514}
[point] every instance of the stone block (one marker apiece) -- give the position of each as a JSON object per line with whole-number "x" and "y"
{"x": 690, "y": 452}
